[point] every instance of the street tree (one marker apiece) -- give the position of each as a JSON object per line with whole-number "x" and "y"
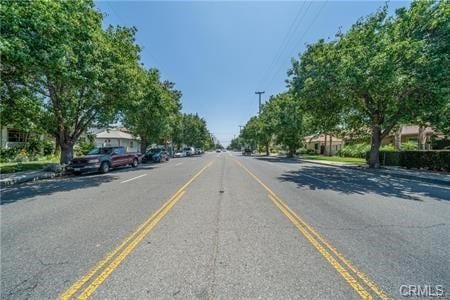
{"x": 383, "y": 72}
{"x": 58, "y": 52}
{"x": 287, "y": 120}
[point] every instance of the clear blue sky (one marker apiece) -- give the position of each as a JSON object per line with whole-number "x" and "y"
{"x": 220, "y": 53}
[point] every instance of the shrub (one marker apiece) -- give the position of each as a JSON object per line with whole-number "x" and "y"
{"x": 387, "y": 148}
{"x": 356, "y": 150}
{"x": 432, "y": 160}
{"x": 310, "y": 151}
{"x": 302, "y": 151}
{"x": 9, "y": 154}
{"x": 440, "y": 144}
{"x": 22, "y": 156}
{"x": 409, "y": 146}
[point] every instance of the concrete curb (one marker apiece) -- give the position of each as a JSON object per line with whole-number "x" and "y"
{"x": 16, "y": 179}
{"x": 385, "y": 171}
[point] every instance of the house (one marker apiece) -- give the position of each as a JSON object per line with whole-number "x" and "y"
{"x": 117, "y": 137}
{"x": 11, "y": 137}
{"x": 412, "y": 133}
{"x": 320, "y": 143}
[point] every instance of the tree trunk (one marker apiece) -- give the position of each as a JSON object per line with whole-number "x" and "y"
{"x": 374, "y": 158}
{"x": 325, "y": 144}
{"x": 398, "y": 139}
{"x": 331, "y": 144}
{"x": 420, "y": 137}
{"x": 66, "y": 153}
{"x": 291, "y": 151}
{"x": 267, "y": 148}
{"x": 57, "y": 147}
{"x": 144, "y": 145}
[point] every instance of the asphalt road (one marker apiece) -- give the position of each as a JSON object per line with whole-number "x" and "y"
{"x": 226, "y": 226}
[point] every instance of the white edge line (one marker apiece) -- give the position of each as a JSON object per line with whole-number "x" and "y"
{"x": 134, "y": 178}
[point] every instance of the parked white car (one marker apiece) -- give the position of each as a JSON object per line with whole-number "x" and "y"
{"x": 180, "y": 154}
{"x": 189, "y": 151}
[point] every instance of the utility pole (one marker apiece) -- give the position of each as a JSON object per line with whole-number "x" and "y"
{"x": 259, "y": 93}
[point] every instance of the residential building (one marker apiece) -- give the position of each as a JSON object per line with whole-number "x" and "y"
{"x": 412, "y": 133}
{"x": 117, "y": 137}
{"x": 324, "y": 144}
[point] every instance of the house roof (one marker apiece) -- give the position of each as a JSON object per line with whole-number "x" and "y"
{"x": 115, "y": 134}
{"x": 414, "y": 129}
{"x": 320, "y": 138}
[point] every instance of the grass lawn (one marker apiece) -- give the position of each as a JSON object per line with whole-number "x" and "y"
{"x": 25, "y": 166}
{"x": 351, "y": 160}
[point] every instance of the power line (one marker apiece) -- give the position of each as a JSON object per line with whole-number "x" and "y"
{"x": 301, "y": 38}
{"x": 282, "y": 45}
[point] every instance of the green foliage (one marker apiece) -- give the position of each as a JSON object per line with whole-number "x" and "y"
{"x": 440, "y": 144}
{"x": 356, "y": 150}
{"x": 76, "y": 71}
{"x": 431, "y": 160}
{"x": 382, "y": 72}
{"x": 84, "y": 145}
{"x": 387, "y": 148}
{"x": 286, "y": 120}
{"x": 193, "y": 132}
{"x": 409, "y": 146}
{"x": 237, "y": 144}
{"x": 153, "y": 112}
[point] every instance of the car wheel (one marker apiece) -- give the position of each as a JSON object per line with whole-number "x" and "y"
{"x": 77, "y": 173}
{"x": 135, "y": 163}
{"x": 104, "y": 167}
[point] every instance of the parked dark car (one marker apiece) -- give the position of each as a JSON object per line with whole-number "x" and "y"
{"x": 160, "y": 156}
{"x": 155, "y": 155}
{"x": 247, "y": 152}
{"x": 103, "y": 159}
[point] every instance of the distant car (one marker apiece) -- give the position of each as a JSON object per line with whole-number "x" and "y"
{"x": 189, "y": 151}
{"x": 102, "y": 159}
{"x": 180, "y": 153}
{"x": 218, "y": 151}
{"x": 247, "y": 152}
{"x": 199, "y": 151}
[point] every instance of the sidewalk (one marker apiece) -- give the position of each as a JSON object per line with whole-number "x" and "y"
{"x": 422, "y": 175}
{"x": 9, "y": 179}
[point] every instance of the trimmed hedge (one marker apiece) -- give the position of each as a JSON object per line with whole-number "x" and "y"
{"x": 432, "y": 160}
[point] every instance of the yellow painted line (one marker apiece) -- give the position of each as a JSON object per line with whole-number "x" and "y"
{"x": 79, "y": 283}
{"x": 372, "y": 285}
{"x": 116, "y": 262}
{"x": 312, "y": 233}
{"x": 347, "y": 277}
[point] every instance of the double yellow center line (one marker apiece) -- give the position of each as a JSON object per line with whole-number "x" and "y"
{"x": 355, "y": 278}
{"x": 98, "y": 274}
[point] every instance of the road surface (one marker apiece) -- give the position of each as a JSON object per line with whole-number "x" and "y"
{"x": 226, "y": 226}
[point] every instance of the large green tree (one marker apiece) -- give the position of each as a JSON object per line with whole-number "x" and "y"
{"x": 58, "y": 52}
{"x": 152, "y": 111}
{"x": 382, "y": 72}
{"x": 287, "y": 120}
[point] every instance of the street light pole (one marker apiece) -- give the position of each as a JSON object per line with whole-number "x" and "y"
{"x": 259, "y": 93}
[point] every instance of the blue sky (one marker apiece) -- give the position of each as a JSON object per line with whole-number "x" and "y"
{"x": 220, "y": 53}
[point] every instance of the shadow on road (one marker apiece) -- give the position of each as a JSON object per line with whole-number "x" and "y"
{"x": 276, "y": 159}
{"x": 68, "y": 183}
{"x": 350, "y": 181}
